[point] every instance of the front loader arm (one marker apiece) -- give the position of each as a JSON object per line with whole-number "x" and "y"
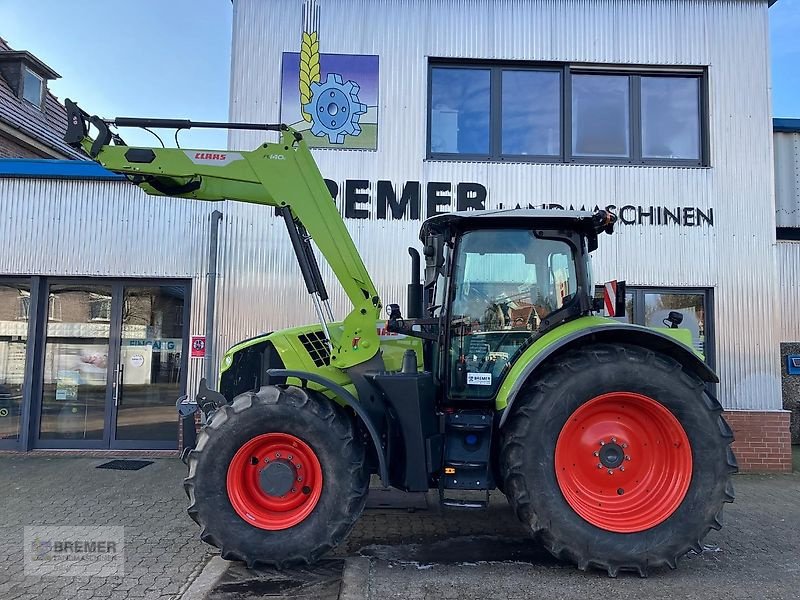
{"x": 282, "y": 175}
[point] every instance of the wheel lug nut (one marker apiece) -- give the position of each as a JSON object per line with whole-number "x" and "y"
{"x": 289, "y": 457}
{"x": 622, "y": 468}
{"x": 599, "y": 466}
{"x": 614, "y": 440}
{"x": 602, "y": 443}
{"x": 627, "y": 457}
{"x": 610, "y": 472}
{"x": 277, "y": 455}
{"x": 293, "y": 490}
{"x": 596, "y": 453}
{"x": 624, "y": 445}
{"x": 299, "y": 479}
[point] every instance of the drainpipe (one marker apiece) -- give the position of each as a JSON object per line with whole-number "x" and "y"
{"x": 211, "y": 300}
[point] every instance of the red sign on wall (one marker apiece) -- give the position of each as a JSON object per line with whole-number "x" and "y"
{"x": 198, "y": 346}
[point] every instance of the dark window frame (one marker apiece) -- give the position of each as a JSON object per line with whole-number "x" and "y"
{"x": 566, "y": 70}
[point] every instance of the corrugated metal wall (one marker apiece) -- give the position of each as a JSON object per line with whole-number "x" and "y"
{"x": 105, "y": 229}
{"x": 736, "y": 256}
{"x": 789, "y": 278}
{"x": 787, "y": 179}
{"x": 112, "y": 229}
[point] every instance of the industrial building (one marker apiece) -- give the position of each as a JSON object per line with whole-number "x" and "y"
{"x": 659, "y": 110}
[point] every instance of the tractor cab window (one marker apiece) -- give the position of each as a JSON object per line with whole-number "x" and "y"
{"x": 505, "y": 283}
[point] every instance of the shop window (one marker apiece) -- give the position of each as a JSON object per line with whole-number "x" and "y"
{"x": 651, "y": 307}
{"x": 484, "y": 110}
{"x": 14, "y": 310}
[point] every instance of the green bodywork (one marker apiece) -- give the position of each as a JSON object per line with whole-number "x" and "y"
{"x": 274, "y": 174}
{"x": 284, "y": 174}
{"x": 295, "y": 357}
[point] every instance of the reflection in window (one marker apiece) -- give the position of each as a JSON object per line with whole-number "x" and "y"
{"x": 600, "y": 115}
{"x": 459, "y": 111}
{"x": 671, "y": 117}
{"x": 657, "y": 307}
{"x": 100, "y": 307}
{"x": 14, "y": 311}
{"x": 76, "y": 367}
{"x": 531, "y": 112}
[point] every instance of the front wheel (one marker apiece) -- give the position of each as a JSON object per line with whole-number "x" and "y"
{"x": 277, "y": 477}
{"x": 617, "y": 458}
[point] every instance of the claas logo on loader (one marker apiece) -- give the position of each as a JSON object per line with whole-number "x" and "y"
{"x": 210, "y": 156}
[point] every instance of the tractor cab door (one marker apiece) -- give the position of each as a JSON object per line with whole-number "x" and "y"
{"x": 505, "y": 284}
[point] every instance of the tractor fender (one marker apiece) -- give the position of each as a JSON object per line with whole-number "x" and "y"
{"x": 614, "y": 334}
{"x": 351, "y": 401}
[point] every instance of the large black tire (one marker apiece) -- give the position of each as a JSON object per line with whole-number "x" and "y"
{"x": 545, "y": 405}
{"x": 322, "y": 425}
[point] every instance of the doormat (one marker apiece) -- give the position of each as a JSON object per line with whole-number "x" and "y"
{"x": 125, "y": 465}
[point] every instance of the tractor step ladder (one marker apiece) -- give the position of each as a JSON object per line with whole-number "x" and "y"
{"x": 467, "y": 458}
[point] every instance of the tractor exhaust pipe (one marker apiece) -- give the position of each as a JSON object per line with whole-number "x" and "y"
{"x": 414, "y": 299}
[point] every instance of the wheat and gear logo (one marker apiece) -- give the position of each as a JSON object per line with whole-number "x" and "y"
{"x": 334, "y": 96}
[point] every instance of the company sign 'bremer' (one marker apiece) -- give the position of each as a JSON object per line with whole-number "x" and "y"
{"x": 362, "y": 199}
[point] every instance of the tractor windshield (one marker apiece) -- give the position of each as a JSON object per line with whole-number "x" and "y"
{"x": 505, "y": 283}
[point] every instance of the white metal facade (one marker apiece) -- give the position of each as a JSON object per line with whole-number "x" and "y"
{"x": 735, "y": 257}
{"x": 787, "y": 179}
{"x": 106, "y": 228}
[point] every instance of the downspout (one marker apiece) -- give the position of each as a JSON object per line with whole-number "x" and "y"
{"x": 211, "y": 301}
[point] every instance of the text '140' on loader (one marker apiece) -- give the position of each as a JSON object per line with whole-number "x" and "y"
{"x": 604, "y": 436}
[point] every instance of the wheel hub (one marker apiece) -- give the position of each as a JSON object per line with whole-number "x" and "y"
{"x": 611, "y": 455}
{"x": 277, "y": 478}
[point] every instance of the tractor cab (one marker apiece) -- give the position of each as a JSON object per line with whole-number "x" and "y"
{"x": 496, "y": 281}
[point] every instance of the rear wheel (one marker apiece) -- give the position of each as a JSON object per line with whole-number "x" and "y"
{"x": 617, "y": 458}
{"x": 277, "y": 477}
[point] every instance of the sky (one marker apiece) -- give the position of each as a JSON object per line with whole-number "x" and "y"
{"x": 171, "y": 58}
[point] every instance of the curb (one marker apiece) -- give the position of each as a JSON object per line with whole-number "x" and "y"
{"x": 206, "y": 580}
{"x": 355, "y": 578}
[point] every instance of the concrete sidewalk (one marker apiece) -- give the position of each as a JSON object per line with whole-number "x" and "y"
{"x": 426, "y": 553}
{"x": 162, "y": 546}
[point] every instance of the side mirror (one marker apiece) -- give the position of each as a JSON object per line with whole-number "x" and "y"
{"x": 674, "y": 318}
{"x": 434, "y": 258}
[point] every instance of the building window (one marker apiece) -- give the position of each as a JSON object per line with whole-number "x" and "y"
{"x": 530, "y": 113}
{"x": 32, "y": 88}
{"x": 601, "y": 116}
{"x": 564, "y": 113}
{"x": 460, "y": 111}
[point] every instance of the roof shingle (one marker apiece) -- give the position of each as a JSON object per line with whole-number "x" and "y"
{"x": 47, "y": 126}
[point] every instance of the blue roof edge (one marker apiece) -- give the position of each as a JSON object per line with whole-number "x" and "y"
{"x": 48, "y": 168}
{"x": 786, "y": 125}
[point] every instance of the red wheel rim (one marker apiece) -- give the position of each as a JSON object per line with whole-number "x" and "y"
{"x": 288, "y": 454}
{"x": 623, "y": 462}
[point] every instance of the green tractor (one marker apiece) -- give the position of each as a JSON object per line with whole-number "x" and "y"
{"x": 604, "y": 436}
